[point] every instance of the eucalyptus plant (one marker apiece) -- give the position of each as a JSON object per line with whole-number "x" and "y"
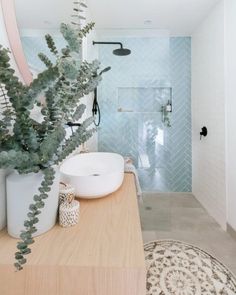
{"x": 27, "y": 145}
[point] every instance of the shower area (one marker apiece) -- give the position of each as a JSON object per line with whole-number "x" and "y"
{"x": 145, "y": 104}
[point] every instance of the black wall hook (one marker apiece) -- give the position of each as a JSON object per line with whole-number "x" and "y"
{"x": 203, "y": 132}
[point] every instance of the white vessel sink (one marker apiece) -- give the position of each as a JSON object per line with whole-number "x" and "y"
{"x": 93, "y": 175}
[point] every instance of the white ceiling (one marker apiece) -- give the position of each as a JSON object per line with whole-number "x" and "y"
{"x": 42, "y": 14}
{"x": 180, "y": 17}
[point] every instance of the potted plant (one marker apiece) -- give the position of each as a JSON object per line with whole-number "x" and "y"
{"x": 3, "y": 217}
{"x": 34, "y": 148}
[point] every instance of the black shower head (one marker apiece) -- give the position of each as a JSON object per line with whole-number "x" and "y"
{"x": 120, "y": 51}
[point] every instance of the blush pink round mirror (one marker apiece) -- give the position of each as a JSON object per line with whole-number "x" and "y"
{"x": 13, "y": 41}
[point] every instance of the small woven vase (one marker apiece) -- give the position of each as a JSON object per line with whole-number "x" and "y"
{"x": 66, "y": 193}
{"x": 69, "y": 213}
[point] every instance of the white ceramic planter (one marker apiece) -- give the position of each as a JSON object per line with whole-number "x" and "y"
{"x": 3, "y": 215}
{"x": 20, "y": 192}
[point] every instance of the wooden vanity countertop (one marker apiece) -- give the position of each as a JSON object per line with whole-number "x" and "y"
{"x": 102, "y": 255}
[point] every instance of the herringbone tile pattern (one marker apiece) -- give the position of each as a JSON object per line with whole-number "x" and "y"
{"x": 161, "y": 154}
{"x": 137, "y": 131}
{"x": 181, "y": 156}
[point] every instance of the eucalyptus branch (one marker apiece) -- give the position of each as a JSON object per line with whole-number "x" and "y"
{"x": 6, "y": 115}
{"x": 34, "y": 211}
{"x": 78, "y": 113}
{"x": 45, "y": 60}
{"x": 43, "y": 81}
{"x": 51, "y": 44}
{"x": 80, "y": 136}
{"x": 85, "y": 30}
{"x": 27, "y": 145}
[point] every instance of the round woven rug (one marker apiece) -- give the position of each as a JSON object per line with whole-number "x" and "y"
{"x": 177, "y": 268}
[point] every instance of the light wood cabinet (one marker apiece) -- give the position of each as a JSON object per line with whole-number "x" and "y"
{"x": 102, "y": 255}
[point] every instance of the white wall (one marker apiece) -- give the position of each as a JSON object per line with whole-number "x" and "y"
{"x": 208, "y": 109}
{"x": 230, "y": 79}
{"x": 90, "y": 52}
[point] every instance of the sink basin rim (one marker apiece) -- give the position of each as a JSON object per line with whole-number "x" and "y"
{"x": 68, "y": 161}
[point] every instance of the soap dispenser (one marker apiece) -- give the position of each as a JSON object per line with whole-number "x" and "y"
{"x": 169, "y": 107}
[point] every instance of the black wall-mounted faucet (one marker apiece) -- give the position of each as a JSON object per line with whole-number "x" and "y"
{"x": 70, "y": 124}
{"x": 203, "y": 132}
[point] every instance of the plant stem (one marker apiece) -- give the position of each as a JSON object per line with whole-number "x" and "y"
{"x": 26, "y": 236}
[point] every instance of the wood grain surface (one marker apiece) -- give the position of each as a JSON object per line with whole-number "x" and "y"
{"x": 102, "y": 255}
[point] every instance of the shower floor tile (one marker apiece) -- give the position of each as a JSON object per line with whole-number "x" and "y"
{"x": 181, "y": 217}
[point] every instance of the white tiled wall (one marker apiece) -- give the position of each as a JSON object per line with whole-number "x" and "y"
{"x": 90, "y": 52}
{"x": 230, "y": 54}
{"x": 208, "y": 109}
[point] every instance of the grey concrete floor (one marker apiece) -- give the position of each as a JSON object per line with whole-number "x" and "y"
{"x": 181, "y": 217}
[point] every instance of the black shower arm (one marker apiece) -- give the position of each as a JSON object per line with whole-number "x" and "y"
{"x": 109, "y": 43}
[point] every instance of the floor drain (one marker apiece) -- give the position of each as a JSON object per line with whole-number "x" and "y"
{"x": 148, "y": 208}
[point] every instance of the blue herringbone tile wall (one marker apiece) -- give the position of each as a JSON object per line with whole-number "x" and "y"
{"x": 181, "y": 153}
{"x": 130, "y": 97}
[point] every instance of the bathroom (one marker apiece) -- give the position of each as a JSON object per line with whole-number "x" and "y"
{"x": 162, "y": 104}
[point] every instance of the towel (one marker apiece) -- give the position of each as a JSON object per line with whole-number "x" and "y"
{"x": 130, "y": 168}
